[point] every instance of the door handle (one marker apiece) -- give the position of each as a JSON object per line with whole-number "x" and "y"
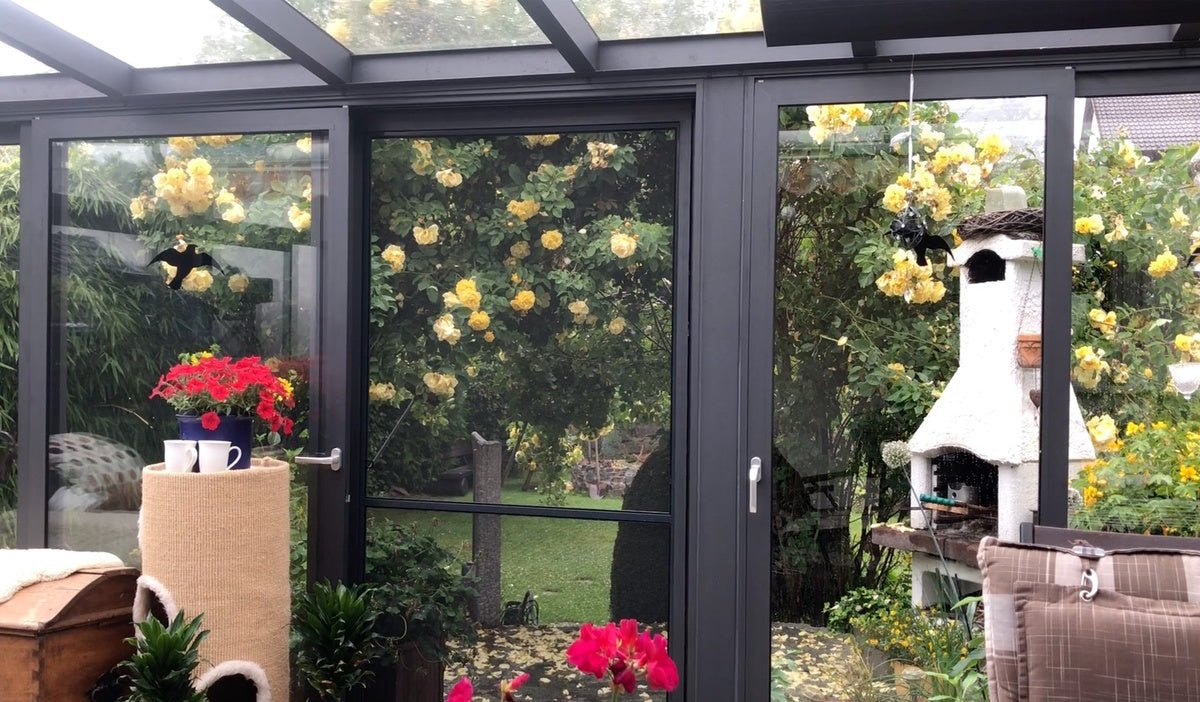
{"x": 755, "y": 476}
{"x": 333, "y": 460}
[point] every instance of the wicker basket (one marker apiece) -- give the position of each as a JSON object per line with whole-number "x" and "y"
{"x": 218, "y": 544}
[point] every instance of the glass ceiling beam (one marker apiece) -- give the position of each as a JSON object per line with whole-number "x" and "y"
{"x": 288, "y": 30}
{"x": 62, "y": 51}
{"x": 568, "y": 30}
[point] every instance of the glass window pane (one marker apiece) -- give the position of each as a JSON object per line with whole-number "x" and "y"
{"x": 117, "y": 325}
{"x": 574, "y": 571}
{"x": 643, "y": 19}
{"x": 16, "y": 63}
{"x": 521, "y": 295}
{"x": 139, "y": 32}
{"x": 898, "y": 307}
{"x": 1135, "y": 334}
{"x": 10, "y": 171}
{"x": 392, "y": 26}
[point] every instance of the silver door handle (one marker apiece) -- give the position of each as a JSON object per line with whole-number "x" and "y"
{"x": 333, "y": 460}
{"x": 755, "y": 476}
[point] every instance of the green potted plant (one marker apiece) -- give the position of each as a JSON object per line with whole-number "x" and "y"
{"x": 422, "y": 597}
{"x": 336, "y": 638}
{"x": 161, "y": 668}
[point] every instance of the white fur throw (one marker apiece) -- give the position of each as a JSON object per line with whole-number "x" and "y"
{"x": 22, "y": 567}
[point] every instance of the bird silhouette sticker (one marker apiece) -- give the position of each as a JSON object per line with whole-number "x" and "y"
{"x": 185, "y": 258}
{"x": 909, "y": 230}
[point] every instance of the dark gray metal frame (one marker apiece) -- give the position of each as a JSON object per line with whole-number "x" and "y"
{"x": 336, "y": 368}
{"x": 552, "y": 118}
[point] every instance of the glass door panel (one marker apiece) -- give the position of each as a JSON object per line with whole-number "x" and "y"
{"x": 127, "y": 304}
{"x": 898, "y": 400}
{"x": 520, "y": 364}
{"x": 10, "y": 223}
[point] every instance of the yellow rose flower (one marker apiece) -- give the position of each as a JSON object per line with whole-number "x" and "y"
{"x": 300, "y": 219}
{"x": 449, "y": 177}
{"x": 394, "y": 256}
{"x": 895, "y": 198}
{"x": 1128, "y": 151}
{"x": 381, "y": 392}
{"x": 616, "y": 325}
{"x": 599, "y": 153}
{"x": 1119, "y": 230}
{"x": 440, "y": 383}
{"x": 523, "y": 209}
{"x": 1092, "y": 224}
{"x": 425, "y": 235}
{"x": 339, "y": 29}
{"x": 622, "y": 245}
{"x": 1104, "y": 322}
{"x": 1164, "y": 263}
{"x": 552, "y": 239}
{"x": 1103, "y": 431}
{"x": 522, "y": 301}
{"x": 137, "y": 208}
{"x": 479, "y": 320}
{"x": 238, "y": 282}
{"x": 305, "y": 143}
{"x": 991, "y": 147}
{"x": 519, "y": 250}
{"x": 198, "y": 280}
{"x": 234, "y": 213}
{"x": 489, "y": 337}
{"x": 184, "y": 146}
{"x": 1179, "y": 220}
{"x": 445, "y": 329}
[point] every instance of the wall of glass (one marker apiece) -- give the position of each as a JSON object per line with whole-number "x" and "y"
{"x": 163, "y": 250}
{"x": 521, "y": 341}
{"x": 1135, "y": 337}
{"x": 903, "y": 278}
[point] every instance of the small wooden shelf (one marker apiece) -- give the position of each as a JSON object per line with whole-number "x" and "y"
{"x": 964, "y": 509}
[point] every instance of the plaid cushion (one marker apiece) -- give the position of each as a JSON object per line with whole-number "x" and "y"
{"x": 1157, "y": 574}
{"x": 1114, "y": 648}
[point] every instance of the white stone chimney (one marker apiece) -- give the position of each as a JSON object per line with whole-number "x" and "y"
{"x": 987, "y": 408}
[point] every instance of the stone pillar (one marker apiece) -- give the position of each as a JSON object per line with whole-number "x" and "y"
{"x": 485, "y": 536}
{"x": 922, "y": 482}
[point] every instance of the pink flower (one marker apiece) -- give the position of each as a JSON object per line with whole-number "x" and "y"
{"x": 461, "y": 692}
{"x": 592, "y": 650}
{"x": 507, "y": 688}
{"x": 652, "y": 656}
{"x": 209, "y": 420}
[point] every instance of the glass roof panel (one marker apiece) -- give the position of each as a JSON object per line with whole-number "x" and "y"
{"x": 644, "y": 19}
{"x": 392, "y": 26}
{"x": 145, "y": 34}
{"x": 16, "y": 63}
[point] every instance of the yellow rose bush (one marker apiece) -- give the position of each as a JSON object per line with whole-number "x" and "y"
{"x": 494, "y": 261}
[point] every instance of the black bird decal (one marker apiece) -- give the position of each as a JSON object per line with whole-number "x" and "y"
{"x": 184, "y": 257}
{"x": 909, "y": 230}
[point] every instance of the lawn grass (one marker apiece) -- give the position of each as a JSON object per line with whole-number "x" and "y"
{"x": 564, "y": 563}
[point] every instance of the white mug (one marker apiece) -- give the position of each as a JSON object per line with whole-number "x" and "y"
{"x": 179, "y": 455}
{"x": 214, "y": 456}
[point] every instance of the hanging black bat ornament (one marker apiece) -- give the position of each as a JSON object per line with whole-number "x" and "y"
{"x": 909, "y": 230}
{"x": 185, "y": 258}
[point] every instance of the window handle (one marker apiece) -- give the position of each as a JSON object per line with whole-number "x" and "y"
{"x": 755, "y": 477}
{"x": 333, "y": 460}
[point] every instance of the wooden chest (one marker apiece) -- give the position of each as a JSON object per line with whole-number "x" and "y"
{"x": 58, "y": 637}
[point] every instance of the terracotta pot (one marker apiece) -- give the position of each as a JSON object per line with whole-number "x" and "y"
{"x": 1029, "y": 350}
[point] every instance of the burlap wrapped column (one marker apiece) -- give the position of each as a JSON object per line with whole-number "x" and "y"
{"x": 218, "y": 544}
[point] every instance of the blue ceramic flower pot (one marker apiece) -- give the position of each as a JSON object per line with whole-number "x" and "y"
{"x": 234, "y": 429}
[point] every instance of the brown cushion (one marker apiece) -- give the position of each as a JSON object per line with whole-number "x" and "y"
{"x": 1158, "y": 574}
{"x": 1114, "y": 648}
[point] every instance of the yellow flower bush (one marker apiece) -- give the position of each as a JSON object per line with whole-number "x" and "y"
{"x": 1146, "y": 481}
{"x": 835, "y": 119}
{"x": 908, "y": 280}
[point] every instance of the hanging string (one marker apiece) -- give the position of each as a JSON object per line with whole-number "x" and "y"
{"x": 911, "y": 81}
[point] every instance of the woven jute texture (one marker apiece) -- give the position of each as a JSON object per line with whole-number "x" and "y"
{"x": 218, "y": 542}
